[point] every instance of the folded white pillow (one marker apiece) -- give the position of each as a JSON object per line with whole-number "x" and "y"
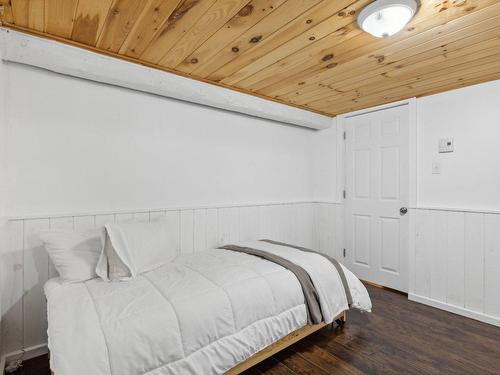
{"x": 132, "y": 248}
{"x": 74, "y": 254}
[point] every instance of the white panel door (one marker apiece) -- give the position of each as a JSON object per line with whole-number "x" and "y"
{"x": 377, "y": 188}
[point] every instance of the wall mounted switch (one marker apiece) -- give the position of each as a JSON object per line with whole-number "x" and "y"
{"x": 436, "y": 167}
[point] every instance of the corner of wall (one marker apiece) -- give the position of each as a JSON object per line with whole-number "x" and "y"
{"x": 325, "y": 163}
{"x": 3, "y": 134}
{"x": 3, "y": 187}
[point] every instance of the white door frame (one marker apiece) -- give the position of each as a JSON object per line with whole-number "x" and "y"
{"x": 412, "y": 170}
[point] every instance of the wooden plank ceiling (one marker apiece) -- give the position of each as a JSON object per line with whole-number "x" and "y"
{"x": 305, "y": 53}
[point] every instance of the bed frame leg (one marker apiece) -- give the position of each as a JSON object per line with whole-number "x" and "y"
{"x": 340, "y": 321}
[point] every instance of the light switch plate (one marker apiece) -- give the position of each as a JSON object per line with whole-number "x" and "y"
{"x": 436, "y": 167}
{"x": 445, "y": 145}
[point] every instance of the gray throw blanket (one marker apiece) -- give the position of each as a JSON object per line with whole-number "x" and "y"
{"x": 332, "y": 260}
{"x": 314, "y": 314}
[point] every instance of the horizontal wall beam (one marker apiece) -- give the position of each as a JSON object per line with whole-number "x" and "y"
{"x": 77, "y": 62}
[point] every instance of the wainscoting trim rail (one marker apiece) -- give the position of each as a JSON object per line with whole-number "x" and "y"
{"x": 457, "y": 209}
{"x": 160, "y": 209}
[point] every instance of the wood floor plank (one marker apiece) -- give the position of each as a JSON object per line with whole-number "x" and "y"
{"x": 366, "y": 364}
{"x": 298, "y": 364}
{"x": 325, "y": 360}
{"x": 272, "y": 366}
{"x": 447, "y": 328}
{"x": 417, "y": 349}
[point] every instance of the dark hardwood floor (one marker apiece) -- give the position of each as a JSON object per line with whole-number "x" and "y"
{"x": 34, "y": 366}
{"x": 398, "y": 337}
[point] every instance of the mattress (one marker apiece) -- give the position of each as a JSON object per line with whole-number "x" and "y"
{"x": 202, "y": 314}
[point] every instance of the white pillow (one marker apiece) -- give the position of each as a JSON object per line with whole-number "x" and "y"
{"x": 133, "y": 248}
{"x": 74, "y": 254}
{"x": 115, "y": 268}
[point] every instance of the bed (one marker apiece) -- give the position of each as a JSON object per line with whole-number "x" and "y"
{"x": 213, "y": 312}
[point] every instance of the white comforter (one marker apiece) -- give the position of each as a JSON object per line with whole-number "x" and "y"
{"x": 202, "y": 314}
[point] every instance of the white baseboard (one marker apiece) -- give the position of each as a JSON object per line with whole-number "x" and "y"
{"x": 28, "y": 353}
{"x": 455, "y": 309}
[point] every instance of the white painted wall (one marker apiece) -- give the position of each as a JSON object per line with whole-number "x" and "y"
{"x": 326, "y": 163}
{"x": 74, "y": 146}
{"x": 457, "y": 247}
{"x": 455, "y": 257}
{"x": 470, "y": 176}
{"x": 3, "y": 137}
{"x": 79, "y": 146}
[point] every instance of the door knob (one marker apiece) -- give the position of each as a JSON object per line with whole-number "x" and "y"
{"x": 403, "y": 211}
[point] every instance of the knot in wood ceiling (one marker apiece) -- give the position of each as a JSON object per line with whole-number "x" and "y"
{"x": 306, "y": 53}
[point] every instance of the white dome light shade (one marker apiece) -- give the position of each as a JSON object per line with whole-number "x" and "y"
{"x": 384, "y": 18}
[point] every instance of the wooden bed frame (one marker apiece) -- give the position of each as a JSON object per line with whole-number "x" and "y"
{"x": 279, "y": 345}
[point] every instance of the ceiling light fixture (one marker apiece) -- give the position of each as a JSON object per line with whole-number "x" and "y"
{"x": 384, "y": 18}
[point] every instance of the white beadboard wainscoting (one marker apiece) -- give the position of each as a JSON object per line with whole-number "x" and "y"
{"x": 456, "y": 265}
{"x": 26, "y": 267}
